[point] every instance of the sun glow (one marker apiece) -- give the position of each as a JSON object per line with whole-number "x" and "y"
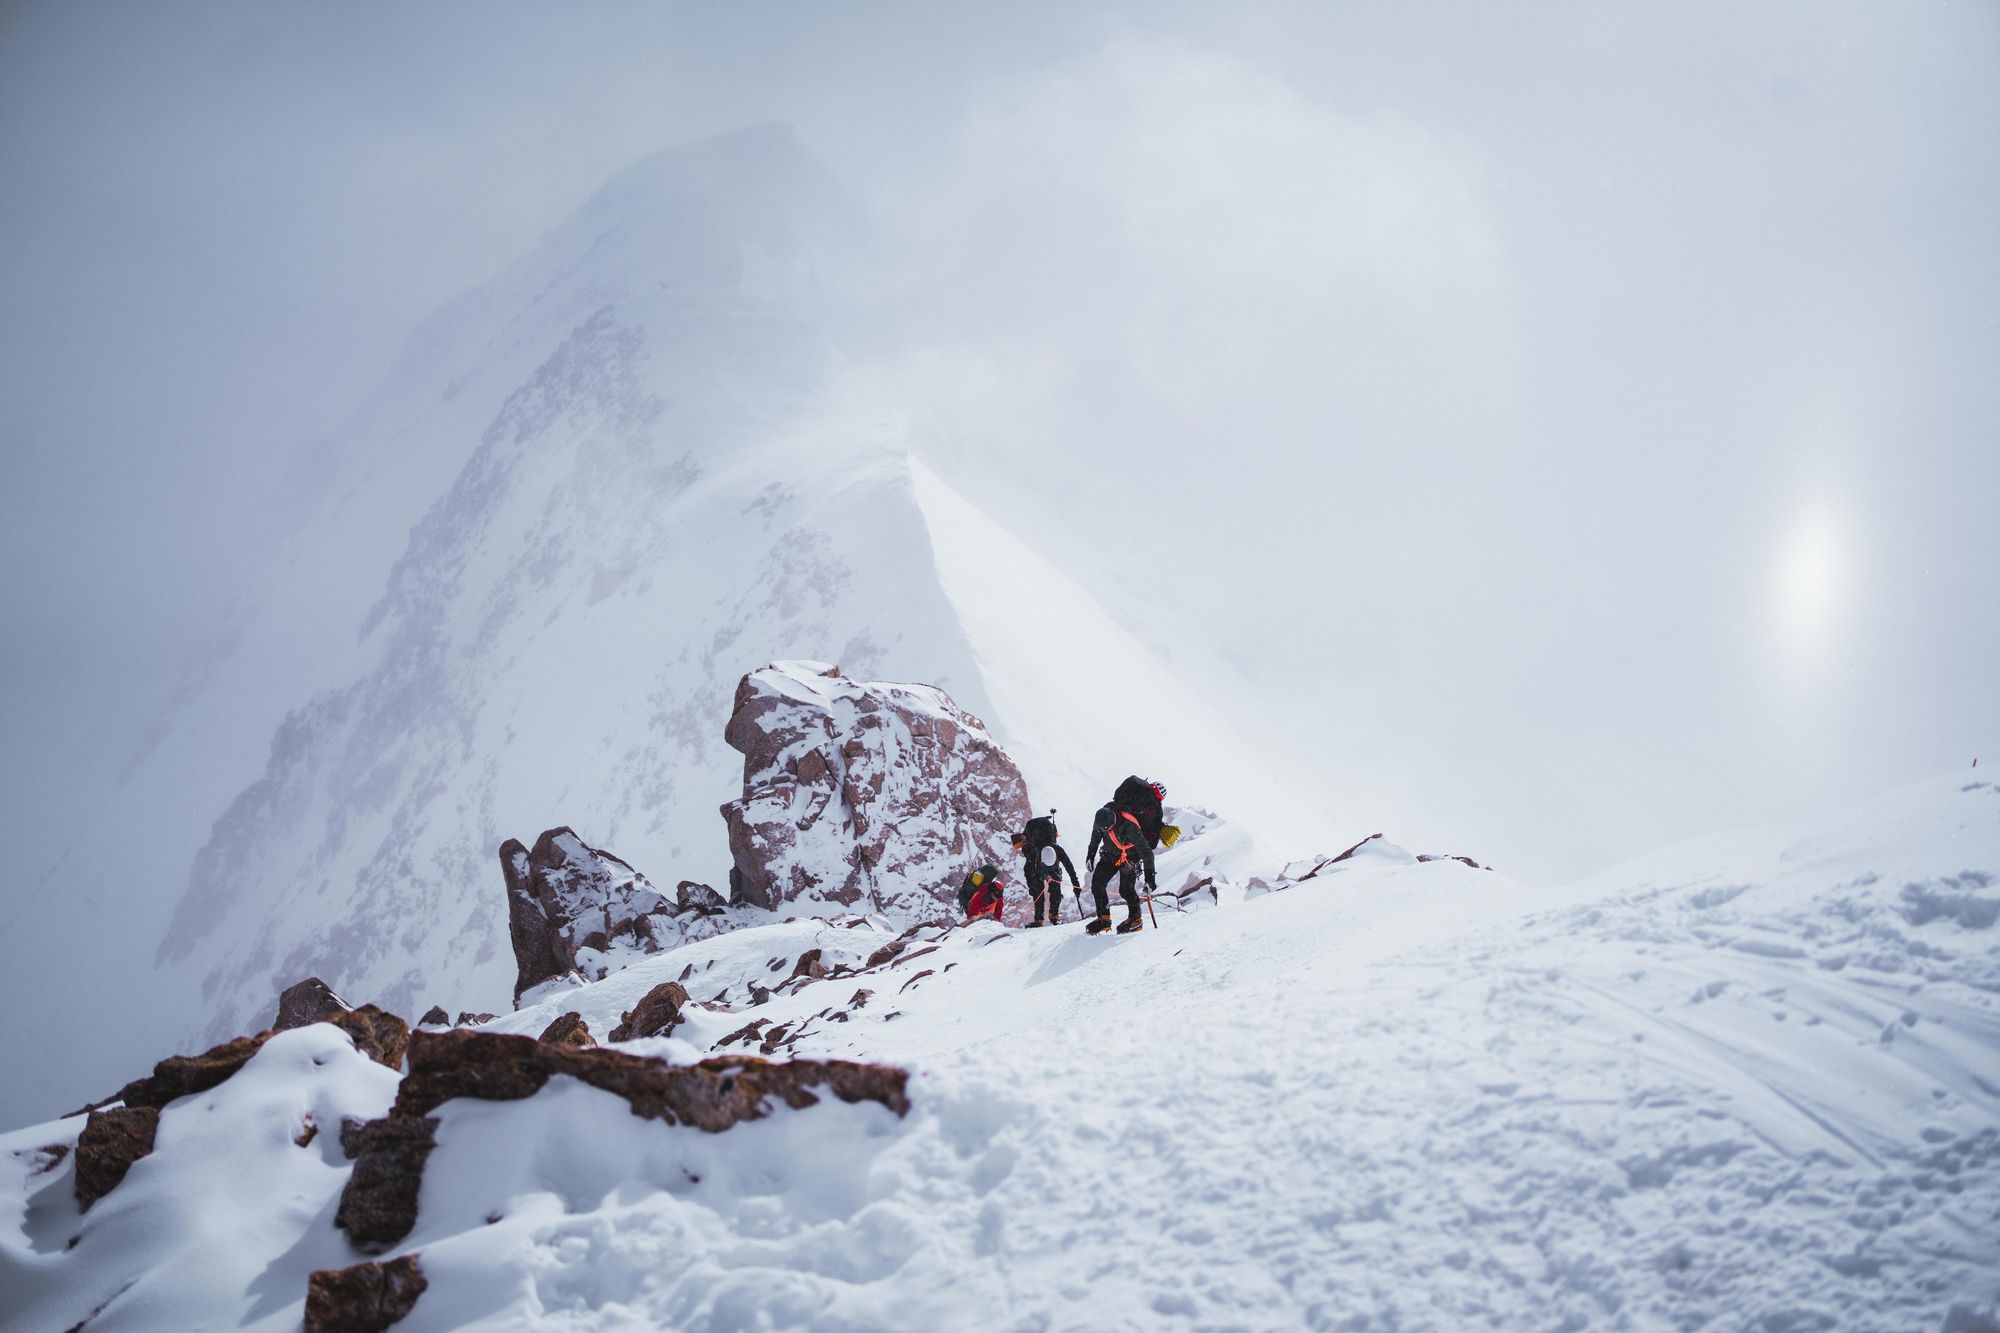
{"x": 1810, "y": 583}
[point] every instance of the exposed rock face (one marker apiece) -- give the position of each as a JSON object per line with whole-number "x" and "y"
{"x": 655, "y": 1015}
{"x": 569, "y": 905}
{"x": 181, "y": 1075}
{"x": 111, "y": 1141}
{"x": 366, "y": 1298}
{"x": 310, "y": 1001}
{"x": 435, "y": 1017}
{"x": 877, "y": 795}
{"x": 379, "y": 1205}
{"x": 568, "y": 1030}
{"x": 698, "y": 897}
{"x": 377, "y": 1034}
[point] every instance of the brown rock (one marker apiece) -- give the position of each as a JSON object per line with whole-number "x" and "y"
{"x": 466, "y": 1018}
{"x": 869, "y": 794}
{"x": 182, "y": 1075}
{"x": 569, "y": 1030}
{"x": 654, "y": 1016}
{"x": 350, "y": 1135}
{"x": 886, "y": 953}
{"x": 565, "y": 895}
{"x": 377, "y": 1033}
{"x": 111, "y": 1141}
{"x": 809, "y": 965}
{"x": 435, "y": 1017}
{"x": 309, "y": 1001}
{"x": 747, "y": 1033}
{"x": 693, "y": 897}
{"x": 366, "y": 1298}
{"x": 48, "y": 1158}
{"x": 379, "y": 1205}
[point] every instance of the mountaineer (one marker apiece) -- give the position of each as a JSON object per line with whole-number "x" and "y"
{"x": 1122, "y": 838}
{"x": 981, "y": 893}
{"x": 1043, "y": 861}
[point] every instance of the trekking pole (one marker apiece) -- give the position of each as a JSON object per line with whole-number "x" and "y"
{"x": 1149, "y": 909}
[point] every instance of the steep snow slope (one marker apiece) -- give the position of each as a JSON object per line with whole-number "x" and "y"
{"x": 1747, "y": 1083}
{"x": 1073, "y": 692}
{"x": 659, "y": 477}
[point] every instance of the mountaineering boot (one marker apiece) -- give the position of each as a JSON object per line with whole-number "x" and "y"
{"x": 1098, "y": 924}
{"x": 1130, "y": 924}
{"x": 1036, "y": 922}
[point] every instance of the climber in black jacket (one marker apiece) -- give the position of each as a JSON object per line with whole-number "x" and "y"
{"x": 1043, "y": 864}
{"x": 1122, "y": 837}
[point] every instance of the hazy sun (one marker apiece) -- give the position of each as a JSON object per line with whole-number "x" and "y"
{"x": 1811, "y": 578}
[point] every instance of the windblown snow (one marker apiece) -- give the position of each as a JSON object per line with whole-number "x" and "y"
{"x": 1748, "y": 1083}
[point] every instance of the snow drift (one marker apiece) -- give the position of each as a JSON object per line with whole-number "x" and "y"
{"x": 1745, "y": 1083}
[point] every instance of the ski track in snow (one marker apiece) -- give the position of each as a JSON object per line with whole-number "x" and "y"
{"x": 1753, "y": 1084}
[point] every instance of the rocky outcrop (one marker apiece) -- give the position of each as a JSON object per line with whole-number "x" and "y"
{"x": 366, "y": 1298}
{"x": 377, "y": 1034}
{"x": 183, "y": 1075}
{"x": 572, "y": 908}
{"x": 435, "y": 1017}
{"x": 695, "y": 897}
{"x": 379, "y": 1205}
{"x": 111, "y": 1141}
{"x": 568, "y": 1030}
{"x": 876, "y": 796}
{"x": 655, "y": 1015}
{"x": 310, "y": 1001}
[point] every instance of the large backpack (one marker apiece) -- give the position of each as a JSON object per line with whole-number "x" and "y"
{"x": 1141, "y": 799}
{"x": 1038, "y": 833}
{"x": 973, "y": 882}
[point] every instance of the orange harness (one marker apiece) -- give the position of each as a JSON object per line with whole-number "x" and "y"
{"x": 1124, "y": 848}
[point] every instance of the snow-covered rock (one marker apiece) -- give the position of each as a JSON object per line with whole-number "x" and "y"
{"x": 573, "y": 908}
{"x": 869, "y": 796}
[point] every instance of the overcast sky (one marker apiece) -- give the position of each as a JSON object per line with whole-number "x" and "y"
{"x": 1581, "y": 422}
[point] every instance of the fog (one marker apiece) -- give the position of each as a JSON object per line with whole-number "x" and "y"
{"x": 1576, "y": 424}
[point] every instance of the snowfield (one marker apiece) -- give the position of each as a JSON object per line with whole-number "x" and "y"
{"x": 1748, "y": 1083}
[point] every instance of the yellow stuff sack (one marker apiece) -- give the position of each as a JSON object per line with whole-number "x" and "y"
{"x": 1169, "y": 834}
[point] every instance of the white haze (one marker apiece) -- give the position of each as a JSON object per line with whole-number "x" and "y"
{"x": 1604, "y": 396}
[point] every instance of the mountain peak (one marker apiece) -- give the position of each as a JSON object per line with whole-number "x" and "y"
{"x": 757, "y": 183}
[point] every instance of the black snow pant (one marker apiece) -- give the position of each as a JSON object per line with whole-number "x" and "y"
{"x": 1128, "y": 886}
{"x": 1045, "y": 887}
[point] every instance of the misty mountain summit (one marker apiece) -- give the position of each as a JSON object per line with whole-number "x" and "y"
{"x": 658, "y": 479}
{"x": 644, "y": 542}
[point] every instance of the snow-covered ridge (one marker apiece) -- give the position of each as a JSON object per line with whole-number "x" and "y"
{"x": 625, "y": 472}
{"x": 1746, "y": 1083}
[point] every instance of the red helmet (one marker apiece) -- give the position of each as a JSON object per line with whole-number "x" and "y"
{"x": 1158, "y": 790}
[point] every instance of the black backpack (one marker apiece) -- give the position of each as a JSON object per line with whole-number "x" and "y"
{"x": 1141, "y": 799}
{"x": 1038, "y": 833}
{"x": 973, "y": 882}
